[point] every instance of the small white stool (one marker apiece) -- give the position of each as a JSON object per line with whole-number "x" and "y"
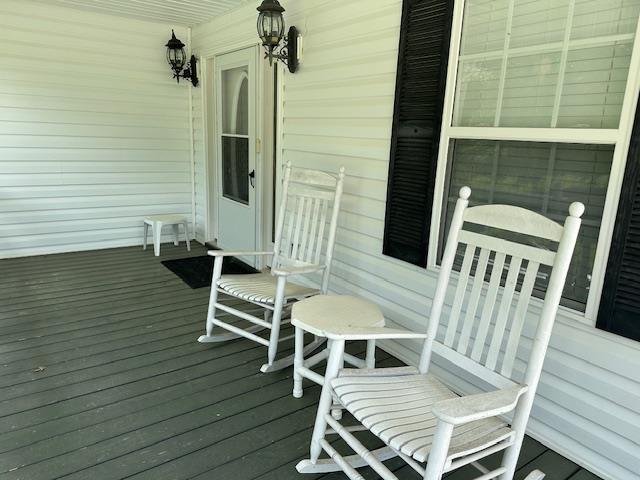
{"x": 318, "y": 314}
{"x": 157, "y": 222}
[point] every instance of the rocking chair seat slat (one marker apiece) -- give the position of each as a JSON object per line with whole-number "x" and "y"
{"x": 399, "y": 410}
{"x": 261, "y": 288}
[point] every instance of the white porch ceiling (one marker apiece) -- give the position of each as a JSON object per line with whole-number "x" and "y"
{"x": 181, "y": 12}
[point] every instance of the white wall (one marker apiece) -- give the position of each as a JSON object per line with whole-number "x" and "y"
{"x": 338, "y": 111}
{"x": 94, "y": 132}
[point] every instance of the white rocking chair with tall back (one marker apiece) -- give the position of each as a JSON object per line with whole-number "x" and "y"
{"x": 310, "y": 199}
{"x": 419, "y": 418}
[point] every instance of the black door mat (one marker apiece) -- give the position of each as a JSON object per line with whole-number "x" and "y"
{"x": 197, "y": 271}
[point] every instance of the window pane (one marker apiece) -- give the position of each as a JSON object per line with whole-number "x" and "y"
{"x": 235, "y": 101}
{"x": 544, "y": 63}
{"x": 543, "y": 177}
{"x": 235, "y": 169}
{"x": 594, "y": 86}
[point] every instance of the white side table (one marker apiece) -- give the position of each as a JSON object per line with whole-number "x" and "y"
{"x": 318, "y": 314}
{"x": 157, "y": 222}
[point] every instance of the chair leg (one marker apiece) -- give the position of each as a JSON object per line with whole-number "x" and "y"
{"x": 186, "y": 236}
{"x": 157, "y": 233}
{"x": 213, "y": 299}
{"x": 326, "y": 398}
{"x": 510, "y": 458}
{"x": 535, "y": 475}
{"x": 298, "y": 362}
{"x": 146, "y": 233}
{"x": 370, "y": 359}
{"x": 337, "y": 412}
{"x": 439, "y": 451}
{"x": 176, "y": 232}
{"x": 275, "y": 324}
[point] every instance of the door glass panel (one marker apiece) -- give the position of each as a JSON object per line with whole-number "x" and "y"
{"x": 235, "y": 169}
{"x": 235, "y": 101}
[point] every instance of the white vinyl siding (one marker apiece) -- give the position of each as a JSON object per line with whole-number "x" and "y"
{"x": 94, "y": 133}
{"x": 337, "y": 111}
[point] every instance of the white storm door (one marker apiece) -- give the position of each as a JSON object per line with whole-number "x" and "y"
{"x": 236, "y": 126}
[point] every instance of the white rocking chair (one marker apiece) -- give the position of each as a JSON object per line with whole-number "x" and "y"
{"x": 419, "y": 418}
{"x": 308, "y": 197}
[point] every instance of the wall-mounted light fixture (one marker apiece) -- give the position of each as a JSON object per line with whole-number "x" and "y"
{"x": 177, "y": 58}
{"x": 271, "y": 31}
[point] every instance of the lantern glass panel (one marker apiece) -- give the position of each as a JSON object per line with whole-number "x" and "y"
{"x": 271, "y": 28}
{"x": 176, "y": 57}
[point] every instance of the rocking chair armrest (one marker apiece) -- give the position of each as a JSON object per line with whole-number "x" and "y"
{"x": 301, "y": 270}
{"x": 470, "y": 408}
{"x": 372, "y": 333}
{"x": 239, "y": 253}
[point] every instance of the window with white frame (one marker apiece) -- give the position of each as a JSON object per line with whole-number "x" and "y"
{"x": 535, "y": 116}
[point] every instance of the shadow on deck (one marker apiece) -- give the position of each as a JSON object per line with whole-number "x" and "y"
{"x": 102, "y": 378}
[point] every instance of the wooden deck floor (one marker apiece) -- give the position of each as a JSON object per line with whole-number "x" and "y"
{"x": 102, "y": 378}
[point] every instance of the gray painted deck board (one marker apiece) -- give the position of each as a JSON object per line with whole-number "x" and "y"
{"x": 101, "y": 378}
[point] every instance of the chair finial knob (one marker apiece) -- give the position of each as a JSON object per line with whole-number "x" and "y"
{"x": 465, "y": 193}
{"x": 576, "y": 209}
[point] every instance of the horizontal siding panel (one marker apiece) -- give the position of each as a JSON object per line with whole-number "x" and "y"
{"x": 336, "y": 127}
{"x": 360, "y": 167}
{"x": 356, "y": 70}
{"x": 63, "y": 129}
{"x": 594, "y": 406}
{"x": 112, "y": 155}
{"x": 325, "y": 144}
{"x": 54, "y": 191}
{"x": 175, "y": 100}
{"x": 126, "y": 178}
{"x": 81, "y": 117}
{"x": 339, "y": 109}
{"x": 319, "y": 50}
{"x": 377, "y": 87}
{"x": 92, "y": 167}
{"x": 363, "y": 206}
{"x": 87, "y": 104}
{"x": 70, "y": 141}
{"x": 94, "y": 214}
{"x": 40, "y": 204}
{"x": 91, "y": 140}
{"x": 73, "y": 226}
{"x": 92, "y": 72}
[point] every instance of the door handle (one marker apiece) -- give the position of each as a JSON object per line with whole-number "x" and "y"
{"x": 252, "y": 177}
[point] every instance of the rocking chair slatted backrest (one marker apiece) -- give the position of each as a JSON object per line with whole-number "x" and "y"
{"x": 494, "y": 288}
{"x": 310, "y": 200}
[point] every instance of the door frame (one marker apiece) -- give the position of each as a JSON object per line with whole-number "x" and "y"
{"x": 265, "y": 158}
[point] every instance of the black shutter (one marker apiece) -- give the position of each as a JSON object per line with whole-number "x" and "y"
{"x": 620, "y": 304}
{"x": 420, "y": 82}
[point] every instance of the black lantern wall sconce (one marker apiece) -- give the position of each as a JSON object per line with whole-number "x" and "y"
{"x": 177, "y": 58}
{"x": 271, "y": 31}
